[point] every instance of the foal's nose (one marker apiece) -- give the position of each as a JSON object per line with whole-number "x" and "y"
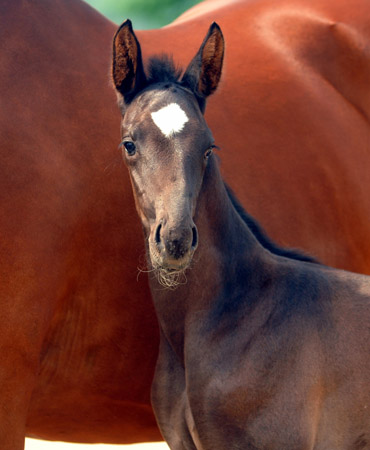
{"x": 177, "y": 242}
{"x": 180, "y": 241}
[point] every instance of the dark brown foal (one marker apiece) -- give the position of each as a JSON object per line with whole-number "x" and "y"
{"x": 260, "y": 349}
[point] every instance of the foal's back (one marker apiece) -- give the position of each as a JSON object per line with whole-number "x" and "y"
{"x": 298, "y": 368}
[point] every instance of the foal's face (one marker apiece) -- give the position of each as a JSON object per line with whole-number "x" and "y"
{"x": 166, "y": 144}
{"x": 166, "y": 141}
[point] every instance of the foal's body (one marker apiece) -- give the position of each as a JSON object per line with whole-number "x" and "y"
{"x": 257, "y": 350}
{"x": 260, "y": 351}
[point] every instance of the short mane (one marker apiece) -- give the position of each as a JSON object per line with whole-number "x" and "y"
{"x": 262, "y": 237}
{"x": 163, "y": 69}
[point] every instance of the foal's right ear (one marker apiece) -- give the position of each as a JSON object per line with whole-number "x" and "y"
{"x": 128, "y": 72}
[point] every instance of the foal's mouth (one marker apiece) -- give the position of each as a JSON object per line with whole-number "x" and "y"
{"x": 170, "y": 273}
{"x": 171, "y": 250}
{"x": 162, "y": 261}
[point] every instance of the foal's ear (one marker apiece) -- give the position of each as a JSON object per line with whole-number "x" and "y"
{"x": 128, "y": 72}
{"x": 204, "y": 71}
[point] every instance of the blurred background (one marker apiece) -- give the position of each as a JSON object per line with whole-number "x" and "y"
{"x": 144, "y": 14}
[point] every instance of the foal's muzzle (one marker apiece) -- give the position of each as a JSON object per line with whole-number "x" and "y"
{"x": 174, "y": 246}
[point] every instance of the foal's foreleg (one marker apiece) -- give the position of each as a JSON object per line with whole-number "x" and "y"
{"x": 169, "y": 399}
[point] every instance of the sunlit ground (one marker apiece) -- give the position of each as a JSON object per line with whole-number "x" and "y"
{"x": 32, "y": 444}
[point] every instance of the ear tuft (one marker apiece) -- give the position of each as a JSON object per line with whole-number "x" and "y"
{"x": 127, "y": 68}
{"x": 204, "y": 71}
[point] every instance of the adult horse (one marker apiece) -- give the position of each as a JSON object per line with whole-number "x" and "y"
{"x": 78, "y": 334}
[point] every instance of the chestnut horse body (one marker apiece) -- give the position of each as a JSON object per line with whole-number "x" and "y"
{"x": 78, "y": 333}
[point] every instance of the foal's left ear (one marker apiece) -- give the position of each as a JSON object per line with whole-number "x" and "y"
{"x": 204, "y": 72}
{"x": 128, "y": 72}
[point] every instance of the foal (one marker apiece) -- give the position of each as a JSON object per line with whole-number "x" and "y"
{"x": 258, "y": 350}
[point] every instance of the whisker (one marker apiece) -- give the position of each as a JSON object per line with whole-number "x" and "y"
{"x": 114, "y": 162}
{"x": 140, "y": 271}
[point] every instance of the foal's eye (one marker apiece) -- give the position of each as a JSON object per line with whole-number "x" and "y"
{"x": 209, "y": 152}
{"x": 130, "y": 147}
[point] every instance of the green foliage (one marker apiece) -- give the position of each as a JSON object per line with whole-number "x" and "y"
{"x": 144, "y": 14}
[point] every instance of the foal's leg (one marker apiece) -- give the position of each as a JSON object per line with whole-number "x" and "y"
{"x": 170, "y": 401}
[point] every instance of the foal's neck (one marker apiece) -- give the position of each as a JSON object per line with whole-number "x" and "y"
{"x": 227, "y": 248}
{"x": 220, "y": 226}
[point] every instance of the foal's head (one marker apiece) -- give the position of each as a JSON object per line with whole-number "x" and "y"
{"x": 165, "y": 140}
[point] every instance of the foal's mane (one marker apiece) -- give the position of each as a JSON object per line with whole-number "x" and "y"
{"x": 262, "y": 237}
{"x": 163, "y": 69}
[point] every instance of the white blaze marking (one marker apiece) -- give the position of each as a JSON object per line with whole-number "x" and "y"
{"x": 170, "y": 119}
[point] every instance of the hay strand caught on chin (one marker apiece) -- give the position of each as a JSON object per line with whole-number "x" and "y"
{"x": 170, "y": 278}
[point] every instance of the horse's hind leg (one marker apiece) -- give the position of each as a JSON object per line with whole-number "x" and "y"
{"x": 23, "y": 322}
{"x": 17, "y": 378}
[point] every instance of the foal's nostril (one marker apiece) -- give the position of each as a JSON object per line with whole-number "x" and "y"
{"x": 157, "y": 236}
{"x": 195, "y": 237}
